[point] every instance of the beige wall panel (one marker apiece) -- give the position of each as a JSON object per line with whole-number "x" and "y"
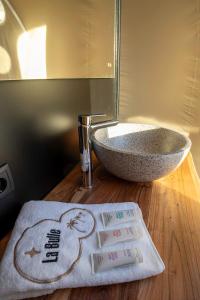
{"x": 160, "y": 65}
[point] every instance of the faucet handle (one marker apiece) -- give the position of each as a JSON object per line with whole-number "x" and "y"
{"x": 97, "y": 115}
{"x": 87, "y": 119}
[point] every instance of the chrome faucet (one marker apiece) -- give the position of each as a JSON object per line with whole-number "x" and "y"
{"x": 85, "y": 128}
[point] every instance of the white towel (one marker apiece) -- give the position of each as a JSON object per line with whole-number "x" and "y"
{"x": 51, "y": 245}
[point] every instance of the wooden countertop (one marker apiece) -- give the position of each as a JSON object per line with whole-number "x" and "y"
{"x": 171, "y": 210}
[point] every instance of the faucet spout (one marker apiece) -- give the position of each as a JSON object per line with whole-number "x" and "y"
{"x": 85, "y": 128}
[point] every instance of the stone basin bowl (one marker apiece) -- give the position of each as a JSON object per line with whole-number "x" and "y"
{"x": 140, "y": 152}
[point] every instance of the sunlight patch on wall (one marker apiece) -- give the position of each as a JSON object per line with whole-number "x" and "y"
{"x": 54, "y": 123}
{"x": 31, "y": 51}
{"x": 180, "y": 127}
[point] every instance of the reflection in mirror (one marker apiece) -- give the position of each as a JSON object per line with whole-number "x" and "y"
{"x": 2, "y": 13}
{"x": 57, "y": 39}
{"x": 5, "y": 60}
{"x": 31, "y": 51}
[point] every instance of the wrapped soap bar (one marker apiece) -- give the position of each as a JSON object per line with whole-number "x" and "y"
{"x": 108, "y": 260}
{"x": 110, "y": 237}
{"x": 119, "y": 216}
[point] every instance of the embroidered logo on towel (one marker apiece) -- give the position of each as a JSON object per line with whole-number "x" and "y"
{"x": 49, "y": 249}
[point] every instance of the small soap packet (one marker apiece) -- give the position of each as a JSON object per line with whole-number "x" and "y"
{"x": 111, "y": 218}
{"x": 105, "y": 261}
{"x": 113, "y": 236}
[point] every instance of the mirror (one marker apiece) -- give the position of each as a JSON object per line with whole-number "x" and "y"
{"x": 41, "y": 39}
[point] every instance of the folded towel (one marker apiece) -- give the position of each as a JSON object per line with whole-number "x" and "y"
{"x": 51, "y": 245}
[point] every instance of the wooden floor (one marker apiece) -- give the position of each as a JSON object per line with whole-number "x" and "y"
{"x": 171, "y": 210}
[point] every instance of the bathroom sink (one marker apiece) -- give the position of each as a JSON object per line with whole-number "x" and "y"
{"x": 140, "y": 152}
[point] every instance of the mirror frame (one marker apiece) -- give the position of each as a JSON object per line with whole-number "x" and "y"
{"x": 117, "y": 56}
